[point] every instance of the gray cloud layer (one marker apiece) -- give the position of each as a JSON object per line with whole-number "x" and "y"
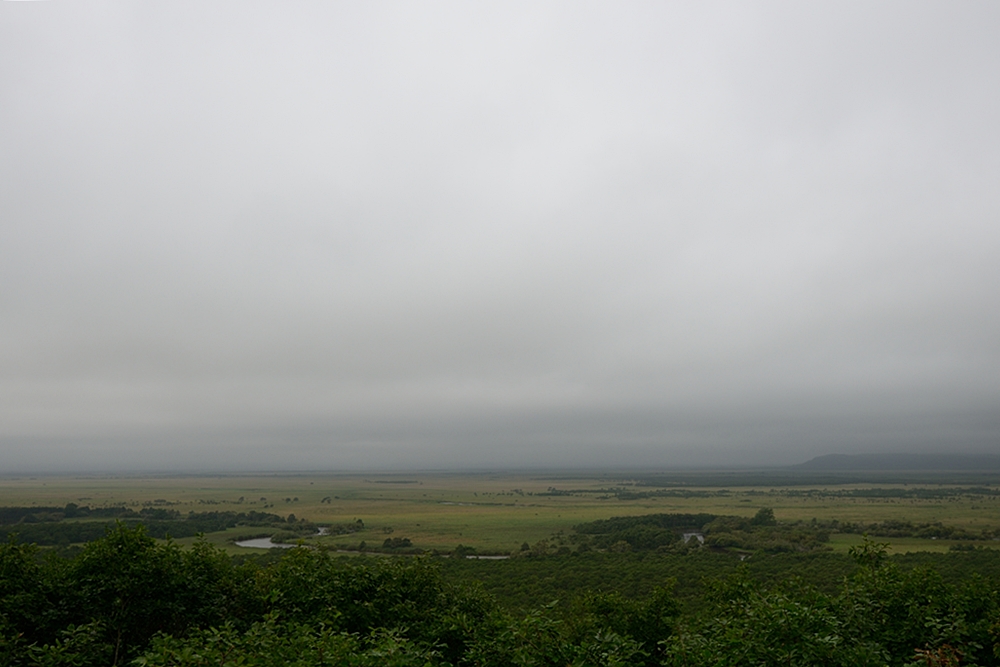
{"x": 269, "y": 235}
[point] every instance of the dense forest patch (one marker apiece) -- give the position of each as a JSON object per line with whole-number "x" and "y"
{"x": 128, "y": 599}
{"x": 682, "y": 532}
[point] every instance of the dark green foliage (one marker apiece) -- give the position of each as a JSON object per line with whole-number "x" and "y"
{"x": 23, "y": 598}
{"x": 770, "y": 539}
{"x": 764, "y": 517}
{"x": 750, "y": 625}
{"x": 397, "y": 543}
{"x": 462, "y": 551}
{"x": 539, "y": 640}
{"x": 663, "y": 532}
{"x": 907, "y": 610}
{"x": 884, "y": 615}
{"x": 646, "y": 621}
{"x": 273, "y": 643}
{"x": 641, "y": 533}
{"x": 128, "y": 599}
{"x": 133, "y": 587}
{"x": 53, "y": 531}
{"x": 12, "y": 515}
{"x": 50, "y": 529}
{"x": 955, "y": 568}
{"x": 119, "y": 592}
{"x": 522, "y": 583}
{"x": 673, "y": 522}
{"x": 346, "y": 528}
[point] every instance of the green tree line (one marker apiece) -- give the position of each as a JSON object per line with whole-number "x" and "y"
{"x": 50, "y": 526}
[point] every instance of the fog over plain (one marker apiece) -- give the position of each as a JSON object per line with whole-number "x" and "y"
{"x": 287, "y": 236}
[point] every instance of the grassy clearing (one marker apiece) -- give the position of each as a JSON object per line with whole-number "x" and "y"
{"x": 492, "y": 512}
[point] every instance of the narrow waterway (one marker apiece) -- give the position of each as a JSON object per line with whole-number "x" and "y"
{"x": 263, "y": 543}
{"x": 266, "y": 543}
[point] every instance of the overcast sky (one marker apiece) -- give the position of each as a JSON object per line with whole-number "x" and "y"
{"x": 241, "y": 235}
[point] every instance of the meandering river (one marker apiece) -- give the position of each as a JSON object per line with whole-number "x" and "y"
{"x": 266, "y": 543}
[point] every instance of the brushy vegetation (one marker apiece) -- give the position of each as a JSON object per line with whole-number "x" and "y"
{"x": 128, "y": 599}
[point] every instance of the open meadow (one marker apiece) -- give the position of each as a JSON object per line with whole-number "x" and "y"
{"x": 498, "y": 512}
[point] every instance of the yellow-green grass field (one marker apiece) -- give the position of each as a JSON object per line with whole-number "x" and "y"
{"x": 494, "y": 513}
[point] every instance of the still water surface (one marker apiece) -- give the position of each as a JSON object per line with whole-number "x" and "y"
{"x": 263, "y": 543}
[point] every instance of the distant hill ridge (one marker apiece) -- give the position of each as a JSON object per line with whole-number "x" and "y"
{"x": 885, "y": 462}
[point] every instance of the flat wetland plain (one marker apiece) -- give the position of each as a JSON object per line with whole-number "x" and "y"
{"x": 497, "y": 512}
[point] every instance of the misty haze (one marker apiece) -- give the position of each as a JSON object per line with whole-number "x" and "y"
{"x": 267, "y": 236}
